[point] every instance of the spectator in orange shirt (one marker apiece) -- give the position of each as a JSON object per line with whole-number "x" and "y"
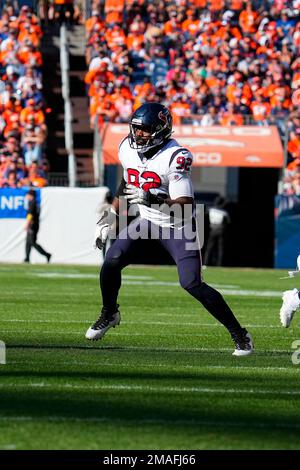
{"x": 248, "y": 19}
{"x": 92, "y": 21}
{"x": 135, "y": 39}
{"x": 115, "y": 36}
{"x": 172, "y": 28}
{"x": 106, "y": 112}
{"x": 215, "y": 7}
{"x": 260, "y": 109}
{"x": 101, "y": 74}
{"x": 29, "y": 55}
{"x": 230, "y": 117}
{"x": 31, "y": 113}
{"x": 293, "y": 146}
{"x": 191, "y": 25}
{"x": 27, "y": 33}
{"x": 179, "y": 108}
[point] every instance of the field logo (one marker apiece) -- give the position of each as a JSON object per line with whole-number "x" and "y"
{"x": 296, "y": 354}
{"x": 2, "y": 352}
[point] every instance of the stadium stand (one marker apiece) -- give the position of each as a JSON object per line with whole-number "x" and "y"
{"x": 221, "y": 62}
{"x": 23, "y": 129}
{"x": 212, "y": 62}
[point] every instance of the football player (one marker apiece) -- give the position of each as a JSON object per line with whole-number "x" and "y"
{"x": 156, "y": 177}
{"x": 291, "y": 300}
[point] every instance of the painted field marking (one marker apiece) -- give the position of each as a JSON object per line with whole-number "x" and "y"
{"x": 257, "y": 368}
{"x": 125, "y": 322}
{"x": 151, "y": 388}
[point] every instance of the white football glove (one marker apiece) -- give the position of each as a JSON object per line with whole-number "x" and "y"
{"x": 136, "y": 195}
{"x": 101, "y": 235}
{"x": 103, "y": 228}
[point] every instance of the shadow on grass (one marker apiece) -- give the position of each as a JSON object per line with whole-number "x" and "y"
{"x": 178, "y": 412}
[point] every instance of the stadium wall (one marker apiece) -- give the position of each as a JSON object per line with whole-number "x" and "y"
{"x": 287, "y": 223}
{"x": 67, "y": 224}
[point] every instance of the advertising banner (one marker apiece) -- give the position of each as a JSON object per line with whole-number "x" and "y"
{"x": 217, "y": 146}
{"x": 13, "y": 202}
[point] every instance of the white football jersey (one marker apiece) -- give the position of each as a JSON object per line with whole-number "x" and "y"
{"x": 166, "y": 173}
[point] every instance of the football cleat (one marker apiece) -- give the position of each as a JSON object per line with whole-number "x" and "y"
{"x": 243, "y": 342}
{"x": 290, "y": 304}
{"x": 105, "y": 321}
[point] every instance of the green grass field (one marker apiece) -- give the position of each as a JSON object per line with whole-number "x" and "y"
{"x": 164, "y": 379}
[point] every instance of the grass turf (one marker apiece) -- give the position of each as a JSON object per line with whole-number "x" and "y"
{"x": 164, "y": 379}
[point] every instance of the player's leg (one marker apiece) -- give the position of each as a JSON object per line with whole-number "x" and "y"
{"x": 39, "y": 248}
{"x": 28, "y": 246}
{"x": 220, "y": 251}
{"x": 119, "y": 255}
{"x": 290, "y": 304}
{"x": 290, "y": 301}
{"x": 189, "y": 269}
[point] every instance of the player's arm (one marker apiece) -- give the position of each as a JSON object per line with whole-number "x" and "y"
{"x": 181, "y": 200}
{"x": 29, "y": 215}
{"x": 108, "y": 218}
{"x": 180, "y": 186}
{"x": 28, "y": 223}
{"x": 180, "y": 192}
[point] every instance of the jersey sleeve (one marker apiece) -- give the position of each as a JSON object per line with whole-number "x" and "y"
{"x": 122, "y": 156}
{"x": 179, "y": 174}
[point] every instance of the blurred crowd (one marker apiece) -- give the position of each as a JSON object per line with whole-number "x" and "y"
{"x": 23, "y": 130}
{"x": 61, "y": 11}
{"x": 212, "y": 62}
{"x": 290, "y": 184}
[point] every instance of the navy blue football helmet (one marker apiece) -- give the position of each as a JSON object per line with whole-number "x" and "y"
{"x": 153, "y": 118}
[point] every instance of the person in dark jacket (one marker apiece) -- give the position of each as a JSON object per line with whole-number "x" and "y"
{"x": 32, "y": 227}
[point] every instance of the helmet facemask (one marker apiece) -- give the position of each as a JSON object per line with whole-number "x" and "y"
{"x": 143, "y": 143}
{"x": 159, "y": 132}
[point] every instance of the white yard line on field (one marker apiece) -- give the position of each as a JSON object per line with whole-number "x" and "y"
{"x": 118, "y": 333}
{"x": 199, "y": 367}
{"x": 77, "y": 275}
{"x": 152, "y": 388}
{"x": 223, "y": 289}
{"x": 226, "y": 289}
{"x": 160, "y": 323}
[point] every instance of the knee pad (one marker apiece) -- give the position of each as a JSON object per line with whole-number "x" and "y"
{"x": 189, "y": 270}
{"x": 189, "y": 280}
{"x": 113, "y": 260}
